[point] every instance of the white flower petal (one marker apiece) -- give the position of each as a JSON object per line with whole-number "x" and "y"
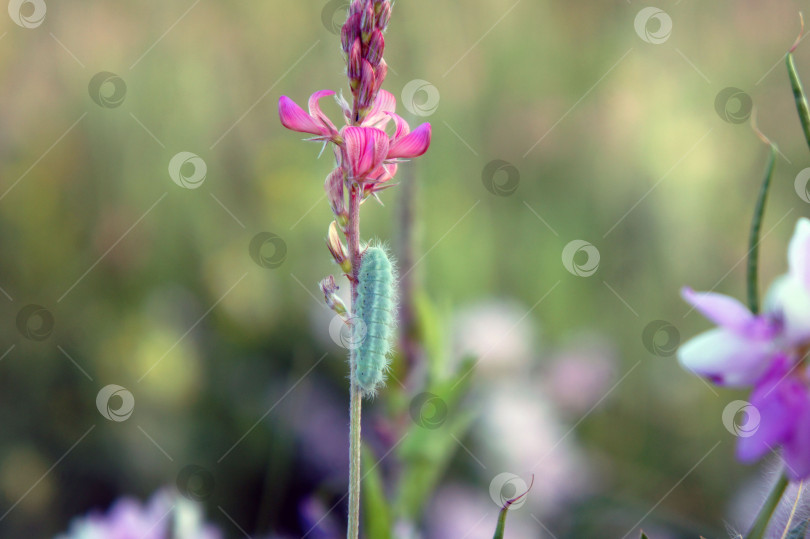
{"x": 726, "y": 358}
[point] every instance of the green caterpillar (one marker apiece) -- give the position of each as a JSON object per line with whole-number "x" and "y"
{"x": 374, "y": 314}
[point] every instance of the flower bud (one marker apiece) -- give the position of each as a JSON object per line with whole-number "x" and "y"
{"x": 368, "y": 89}
{"x": 383, "y": 15}
{"x": 334, "y": 192}
{"x": 337, "y": 249}
{"x": 349, "y": 32}
{"x": 367, "y": 23}
{"x": 355, "y": 68}
{"x": 356, "y": 7}
{"x": 329, "y": 289}
{"x": 379, "y": 75}
{"x": 376, "y": 46}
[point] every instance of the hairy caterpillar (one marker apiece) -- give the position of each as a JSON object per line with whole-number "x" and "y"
{"x": 374, "y": 319}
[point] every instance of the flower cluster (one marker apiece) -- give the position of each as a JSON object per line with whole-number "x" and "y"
{"x": 164, "y": 517}
{"x": 768, "y": 352}
{"x": 366, "y": 154}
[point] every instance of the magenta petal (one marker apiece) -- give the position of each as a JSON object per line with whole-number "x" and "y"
{"x": 779, "y": 401}
{"x": 799, "y": 252}
{"x": 402, "y": 126}
{"x": 379, "y": 115}
{"x": 315, "y": 109}
{"x": 366, "y": 148}
{"x": 295, "y": 118}
{"x": 796, "y": 450}
{"x": 412, "y": 145}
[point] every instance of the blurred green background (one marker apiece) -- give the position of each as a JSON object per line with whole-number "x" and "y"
{"x": 613, "y": 140}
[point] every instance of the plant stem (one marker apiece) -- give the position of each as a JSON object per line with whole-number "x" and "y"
{"x": 764, "y": 516}
{"x": 356, "y": 397}
{"x": 753, "y": 240}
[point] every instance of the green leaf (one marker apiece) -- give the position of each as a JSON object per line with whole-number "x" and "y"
{"x": 377, "y": 517}
{"x": 644, "y": 536}
{"x": 427, "y": 449}
{"x": 501, "y": 527}
{"x": 800, "y": 531}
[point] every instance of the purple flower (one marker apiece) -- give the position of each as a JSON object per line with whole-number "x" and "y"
{"x": 766, "y": 352}
{"x": 164, "y": 517}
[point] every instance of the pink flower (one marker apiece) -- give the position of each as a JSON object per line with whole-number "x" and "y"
{"x": 766, "y": 351}
{"x": 369, "y": 153}
{"x": 316, "y": 122}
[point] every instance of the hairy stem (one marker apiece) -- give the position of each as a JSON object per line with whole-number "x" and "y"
{"x": 355, "y": 408}
{"x": 764, "y": 516}
{"x": 753, "y": 240}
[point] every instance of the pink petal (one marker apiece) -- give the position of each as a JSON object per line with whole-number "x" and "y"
{"x": 315, "y": 109}
{"x": 294, "y": 118}
{"x": 726, "y": 358}
{"x": 412, "y": 145}
{"x": 366, "y": 148}
{"x": 724, "y": 311}
{"x": 402, "y": 126}
{"x": 799, "y": 252}
{"x": 378, "y": 116}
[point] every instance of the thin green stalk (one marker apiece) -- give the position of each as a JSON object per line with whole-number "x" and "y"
{"x": 356, "y": 397}
{"x": 753, "y": 240}
{"x": 764, "y": 516}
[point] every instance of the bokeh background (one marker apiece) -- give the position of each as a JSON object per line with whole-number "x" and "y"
{"x": 553, "y": 122}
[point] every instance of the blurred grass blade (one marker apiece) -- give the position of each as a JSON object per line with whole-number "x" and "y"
{"x": 796, "y": 84}
{"x": 377, "y": 520}
{"x": 499, "y": 530}
{"x": 644, "y": 536}
{"x": 756, "y": 225}
{"x": 799, "y": 532}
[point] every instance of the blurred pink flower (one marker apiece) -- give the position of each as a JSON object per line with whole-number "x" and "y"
{"x": 766, "y": 351}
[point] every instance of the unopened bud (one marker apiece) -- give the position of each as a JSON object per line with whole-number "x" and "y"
{"x": 356, "y": 7}
{"x": 368, "y": 89}
{"x": 355, "y": 69}
{"x": 334, "y": 192}
{"x": 329, "y": 289}
{"x": 376, "y": 46}
{"x": 337, "y": 249}
{"x": 349, "y": 32}
{"x": 379, "y": 76}
{"x": 383, "y": 15}
{"x": 367, "y": 23}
